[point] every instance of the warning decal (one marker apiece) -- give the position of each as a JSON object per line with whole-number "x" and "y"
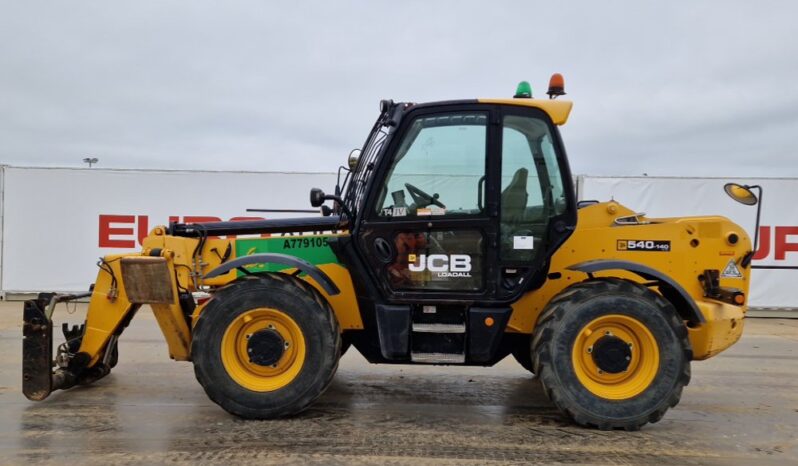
{"x": 731, "y": 271}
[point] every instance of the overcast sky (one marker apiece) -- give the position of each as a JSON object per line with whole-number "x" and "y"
{"x": 664, "y": 88}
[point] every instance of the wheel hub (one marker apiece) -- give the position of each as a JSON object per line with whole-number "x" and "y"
{"x": 611, "y": 354}
{"x": 265, "y": 347}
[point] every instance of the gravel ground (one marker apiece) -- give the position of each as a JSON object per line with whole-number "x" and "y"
{"x": 740, "y": 408}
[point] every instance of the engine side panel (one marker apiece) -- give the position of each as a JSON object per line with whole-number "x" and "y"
{"x": 681, "y": 248}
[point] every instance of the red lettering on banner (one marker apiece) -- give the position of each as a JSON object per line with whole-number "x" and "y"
{"x": 144, "y": 228}
{"x": 114, "y": 228}
{"x": 106, "y": 231}
{"x": 782, "y": 246}
{"x": 764, "y": 244}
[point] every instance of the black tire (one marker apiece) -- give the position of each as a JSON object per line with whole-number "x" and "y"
{"x": 309, "y": 311}
{"x": 114, "y": 356}
{"x": 563, "y": 320}
{"x": 523, "y": 354}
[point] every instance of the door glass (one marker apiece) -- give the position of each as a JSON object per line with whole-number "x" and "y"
{"x": 531, "y": 187}
{"x": 437, "y": 260}
{"x": 439, "y": 168}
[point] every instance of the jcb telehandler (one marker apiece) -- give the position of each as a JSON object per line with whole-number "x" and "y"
{"x": 454, "y": 238}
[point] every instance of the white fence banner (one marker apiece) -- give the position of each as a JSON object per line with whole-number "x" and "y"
{"x": 679, "y": 197}
{"x": 57, "y": 222}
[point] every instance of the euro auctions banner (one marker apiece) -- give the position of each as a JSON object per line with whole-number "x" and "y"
{"x": 680, "y": 197}
{"x": 57, "y": 222}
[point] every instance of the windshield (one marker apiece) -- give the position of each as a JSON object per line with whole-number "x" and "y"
{"x": 439, "y": 168}
{"x": 355, "y": 182}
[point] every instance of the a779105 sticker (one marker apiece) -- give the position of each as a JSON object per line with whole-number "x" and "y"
{"x": 644, "y": 245}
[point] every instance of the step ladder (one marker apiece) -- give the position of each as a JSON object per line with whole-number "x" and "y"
{"x": 438, "y": 336}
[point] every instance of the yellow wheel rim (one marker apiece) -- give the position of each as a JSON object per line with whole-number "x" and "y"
{"x": 643, "y": 357}
{"x": 236, "y": 358}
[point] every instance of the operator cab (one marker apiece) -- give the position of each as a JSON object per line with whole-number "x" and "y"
{"x": 456, "y": 205}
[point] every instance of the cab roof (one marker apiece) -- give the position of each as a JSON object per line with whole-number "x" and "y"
{"x": 557, "y": 110}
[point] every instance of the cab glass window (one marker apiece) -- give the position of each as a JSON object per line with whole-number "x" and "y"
{"x": 531, "y": 187}
{"x": 439, "y": 168}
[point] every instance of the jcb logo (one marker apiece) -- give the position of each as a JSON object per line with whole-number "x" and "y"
{"x": 452, "y": 265}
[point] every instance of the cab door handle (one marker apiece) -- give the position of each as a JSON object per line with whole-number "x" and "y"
{"x": 480, "y": 185}
{"x": 383, "y": 249}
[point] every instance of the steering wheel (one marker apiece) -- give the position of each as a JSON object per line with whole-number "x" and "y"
{"x": 421, "y": 198}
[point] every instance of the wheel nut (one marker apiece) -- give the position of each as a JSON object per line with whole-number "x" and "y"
{"x": 608, "y": 333}
{"x": 249, "y": 335}
{"x": 600, "y": 371}
{"x": 287, "y": 344}
{"x": 274, "y": 366}
{"x": 271, "y": 326}
{"x": 589, "y": 349}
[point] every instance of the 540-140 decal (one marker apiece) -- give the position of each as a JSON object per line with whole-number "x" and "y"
{"x": 644, "y": 245}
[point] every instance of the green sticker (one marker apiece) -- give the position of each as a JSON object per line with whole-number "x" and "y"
{"x": 314, "y": 249}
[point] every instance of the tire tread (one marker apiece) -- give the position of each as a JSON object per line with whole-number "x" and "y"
{"x": 544, "y": 332}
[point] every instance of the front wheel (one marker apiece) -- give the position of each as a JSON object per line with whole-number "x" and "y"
{"x": 265, "y": 347}
{"x": 611, "y": 354}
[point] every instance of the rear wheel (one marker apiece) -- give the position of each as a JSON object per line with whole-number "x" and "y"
{"x": 611, "y": 353}
{"x": 266, "y": 347}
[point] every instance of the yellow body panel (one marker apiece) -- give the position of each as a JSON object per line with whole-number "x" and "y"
{"x": 344, "y": 304}
{"x": 183, "y": 250}
{"x": 109, "y": 306}
{"x": 697, "y": 243}
{"x": 723, "y": 328}
{"x": 558, "y": 110}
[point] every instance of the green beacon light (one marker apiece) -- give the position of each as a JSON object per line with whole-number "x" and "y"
{"x": 523, "y": 91}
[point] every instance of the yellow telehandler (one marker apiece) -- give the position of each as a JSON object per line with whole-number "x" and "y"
{"x": 454, "y": 238}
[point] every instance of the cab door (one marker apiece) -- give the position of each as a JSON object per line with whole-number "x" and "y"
{"x": 430, "y": 225}
{"x": 537, "y": 209}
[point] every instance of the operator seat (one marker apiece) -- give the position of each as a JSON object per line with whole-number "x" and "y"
{"x": 514, "y": 198}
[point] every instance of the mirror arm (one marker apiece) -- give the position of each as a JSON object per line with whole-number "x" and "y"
{"x": 750, "y": 256}
{"x": 758, "y": 214}
{"x": 336, "y": 198}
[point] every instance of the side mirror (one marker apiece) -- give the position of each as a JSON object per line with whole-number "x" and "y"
{"x": 741, "y": 193}
{"x": 316, "y": 197}
{"x": 744, "y": 194}
{"x": 354, "y": 156}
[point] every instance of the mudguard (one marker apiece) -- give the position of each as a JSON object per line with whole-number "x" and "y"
{"x": 671, "y": 287}
{"x": 282, "y": 259}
